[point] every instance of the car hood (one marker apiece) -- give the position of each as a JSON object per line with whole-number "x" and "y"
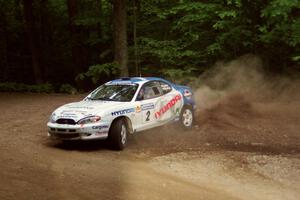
{"x": 82, "y": 109}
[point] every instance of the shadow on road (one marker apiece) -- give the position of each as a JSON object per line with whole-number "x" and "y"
{"x": 97, "y": 145}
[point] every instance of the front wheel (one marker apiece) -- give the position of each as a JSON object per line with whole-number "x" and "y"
{"x": 118, "y": 134}
{"x": 187, "y": 118}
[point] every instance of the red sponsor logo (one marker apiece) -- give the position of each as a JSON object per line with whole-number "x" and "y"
{"x": 166, "y": 107}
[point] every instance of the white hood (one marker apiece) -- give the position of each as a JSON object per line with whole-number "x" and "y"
{"x": 82, "y": 109}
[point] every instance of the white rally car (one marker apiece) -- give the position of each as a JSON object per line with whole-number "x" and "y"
{"x": 123, "y": 106}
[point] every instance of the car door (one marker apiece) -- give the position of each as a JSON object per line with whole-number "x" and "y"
{"x": 149, "y": 98}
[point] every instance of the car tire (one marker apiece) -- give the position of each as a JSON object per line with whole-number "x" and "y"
{"x": 186, "y": 118}
{"x": 118, "y": 134}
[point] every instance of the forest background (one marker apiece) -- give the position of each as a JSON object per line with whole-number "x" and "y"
{"x": 60, "y": 45}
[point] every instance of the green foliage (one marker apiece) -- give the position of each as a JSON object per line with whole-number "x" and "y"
{"x": 20, "y": 87}
{"x": 166, "y": 52}
{"x": 280, "y": 24}
{"x": 177, "y": 74}
{"x": 180, "y": 38}
{"x": 182, "y": 76}
{"x": 196, "y": 34}
{"x": 95, "y": 72}
{"x": 280, "y": 31}
{"x": 40, "y": 88}
{"x": 67, "y": 88}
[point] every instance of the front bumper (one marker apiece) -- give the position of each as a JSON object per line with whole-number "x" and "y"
{"x": 78, "y": 132}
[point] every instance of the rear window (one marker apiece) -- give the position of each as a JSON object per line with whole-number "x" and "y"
{"x": 166, "y": 88}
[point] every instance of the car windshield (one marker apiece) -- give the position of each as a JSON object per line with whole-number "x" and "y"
{"x": 114, "y": 92}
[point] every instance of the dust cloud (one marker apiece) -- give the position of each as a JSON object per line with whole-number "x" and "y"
{"x": 244, "y": 77}
{"x": 238, "y": 103}
{"x": 239, "y": 107}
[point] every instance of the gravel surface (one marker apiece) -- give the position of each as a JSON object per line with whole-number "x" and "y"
{"x": 237, "y": 150}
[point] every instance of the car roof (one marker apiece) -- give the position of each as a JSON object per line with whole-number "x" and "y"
{"x": 133, "y": 80}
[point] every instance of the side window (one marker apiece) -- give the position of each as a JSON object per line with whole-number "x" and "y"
{"x": 150, "y": 90}
{"x": 165, "y": 87}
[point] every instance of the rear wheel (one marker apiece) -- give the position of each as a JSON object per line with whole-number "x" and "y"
{"x": 118, "y": 134}
{"x": 187, "y": 118}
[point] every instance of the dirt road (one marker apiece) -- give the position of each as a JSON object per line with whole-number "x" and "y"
{"x": 237, "y": 151}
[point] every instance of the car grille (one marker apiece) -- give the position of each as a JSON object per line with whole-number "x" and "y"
{"x": 67, "y": 136}
{"x": 64, "y": 130}
{"x": 66, "y": 121}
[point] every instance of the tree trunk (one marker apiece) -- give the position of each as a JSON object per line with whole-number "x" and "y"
{"x": 136, "y": 63}
{"x": 45, "y": 34}
{"x": 120, "y": 35}
{"x": 99, "y": 15}
{"x": 77, "y": 49}
{"x": 31, "y": 37}
{"x": 3, "y": 48}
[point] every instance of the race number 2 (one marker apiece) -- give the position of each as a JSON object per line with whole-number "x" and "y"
{"x": 148, "y": 116}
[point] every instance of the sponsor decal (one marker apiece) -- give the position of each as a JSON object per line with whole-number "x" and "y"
{"x": 100, "y": 127}
{"x": 166, "y": 107}
{"x": 101, "y": 133}
{"x": 138, "y": 109}
{"x": 80, "y": 107}
{"x": 148, "y": 106}
{"x": 67, "y": 115}
{"x": 73, "y": 114}
{"x": 121, "y": 112}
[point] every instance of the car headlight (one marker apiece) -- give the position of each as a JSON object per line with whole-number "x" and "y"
{"x": 52, "y": 118}
{"x": 89, "y": 120}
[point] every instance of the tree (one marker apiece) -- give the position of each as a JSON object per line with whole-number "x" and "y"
{"x": 77, "y": 49}
{"x": 163, "y": 37}
{"x": 32, "y": 37}
{"x": 3, "y": 43}
{"x": 44, "y": 31}
{"x": 135, "y": 16}
{"x": 120, "y": 35}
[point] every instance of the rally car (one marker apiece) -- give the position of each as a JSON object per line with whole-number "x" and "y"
{"x": 121, "y": 107}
